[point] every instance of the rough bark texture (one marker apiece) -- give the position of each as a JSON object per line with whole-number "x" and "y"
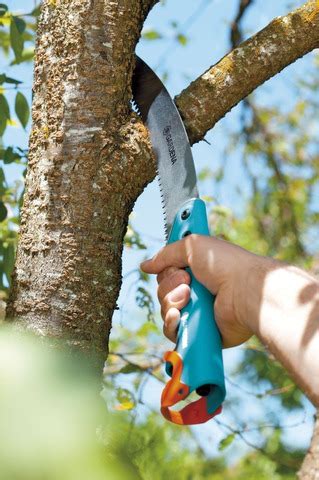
{"x": 89, "y": 160}
{"x": 310, "y": 466}
{"x": 214, "y": 93}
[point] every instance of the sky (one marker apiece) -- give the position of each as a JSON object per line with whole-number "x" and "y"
{"x": 206, "y": 24}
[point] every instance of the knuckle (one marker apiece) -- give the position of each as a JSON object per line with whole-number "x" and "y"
{"x": 162, "y": 290}
{"x": 166, "y": 304}
{"x": 165, "y": 273}
{"x": 191, "y": 239}
{"x": 182, "y": 276}
{"x": 166, "y": 285}
{"x": 190, "y": 242}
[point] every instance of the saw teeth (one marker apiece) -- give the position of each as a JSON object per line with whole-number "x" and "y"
{"x": 163, "y": 206}
{"x": 137, "y": 110}
{"x": 136, "y": 107}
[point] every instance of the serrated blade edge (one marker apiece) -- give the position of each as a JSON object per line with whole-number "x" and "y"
{"x": 176, "y": 170}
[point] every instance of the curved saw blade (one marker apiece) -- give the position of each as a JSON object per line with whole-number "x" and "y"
{"x": 176, "y": 170}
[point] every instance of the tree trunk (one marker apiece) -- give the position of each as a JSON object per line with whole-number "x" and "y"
{"x": 89, "y": 160}
{"x": 310, "y": 467}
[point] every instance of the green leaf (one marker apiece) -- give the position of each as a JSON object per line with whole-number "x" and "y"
{"x": 151, "y": 35}
{"x": 3, "y": 9}
{"x": 2, "y": 182}
{"x": 10, "y": 156}
{"x": 4, "y": 106}
{"x": 27, "y": 56}
{"x": 3, "y": 211}
{"x": 125, "y": 406}
{"x": 17, "y": 27}
{"x": 22, "y": 109}
{"x": 20, "y": 24}
{"x": 5, "y": 79}
{"x": 2, "y": 176}
{"x": 182, "y": 39}
{"x": 12, "y": 80}
{"x": 146, "y": 329}
{"x": 222, "y": 210}
{"x": 5, "y": 44}
{"x": 126, "y": 399}
{"x": 129, "y": 368}
{"x": 225, "y": 442}
{"x": 205, "y": 174}
{"x": 3, "y": 122}
{"x": 36, "y": 11}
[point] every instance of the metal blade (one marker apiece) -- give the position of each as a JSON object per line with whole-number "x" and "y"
{"x": 176, "y": 170}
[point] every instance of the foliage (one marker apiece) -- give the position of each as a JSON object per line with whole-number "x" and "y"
{"x": 51, "y": 431}
{"x": 17, "y": 45}
{"x": 48, "y": 413}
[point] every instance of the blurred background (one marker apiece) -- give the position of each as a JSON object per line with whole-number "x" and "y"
{"x": 258, "y": 172}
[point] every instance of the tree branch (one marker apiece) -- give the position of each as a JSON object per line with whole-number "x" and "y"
{"x": 238, "y": 73}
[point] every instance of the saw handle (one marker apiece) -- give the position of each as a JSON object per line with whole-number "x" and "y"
{"x": 196, "y": 364}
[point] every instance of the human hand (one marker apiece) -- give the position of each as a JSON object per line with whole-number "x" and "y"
{"x": 223, "y": 268}
{"x": 277, "y": 302}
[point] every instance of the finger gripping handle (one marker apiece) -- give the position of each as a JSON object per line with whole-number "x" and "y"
{"x": 196, "y": 363}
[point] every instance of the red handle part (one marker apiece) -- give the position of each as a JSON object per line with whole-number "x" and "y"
{"x": 175, "y": 391}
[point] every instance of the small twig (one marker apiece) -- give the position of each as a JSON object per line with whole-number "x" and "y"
{"x": 236, "y": 35}
{"x": 250, "y": 444}
{"x": 272, "y": 391}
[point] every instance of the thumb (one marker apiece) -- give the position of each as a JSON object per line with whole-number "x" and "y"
{"x": 173, "y": 255}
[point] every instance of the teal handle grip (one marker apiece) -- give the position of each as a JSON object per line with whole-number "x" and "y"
{"x": 198, "y": 339}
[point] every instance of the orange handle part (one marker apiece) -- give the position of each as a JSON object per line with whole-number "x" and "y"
{"x": 175, "y": 391}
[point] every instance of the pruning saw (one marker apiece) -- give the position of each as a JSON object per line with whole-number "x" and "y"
{"x": 196, "y": 363}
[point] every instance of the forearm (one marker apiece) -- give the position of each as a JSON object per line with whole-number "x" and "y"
{"x": 282, "y": 308}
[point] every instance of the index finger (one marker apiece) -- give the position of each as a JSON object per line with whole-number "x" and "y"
{"x": 173, "y": 255}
